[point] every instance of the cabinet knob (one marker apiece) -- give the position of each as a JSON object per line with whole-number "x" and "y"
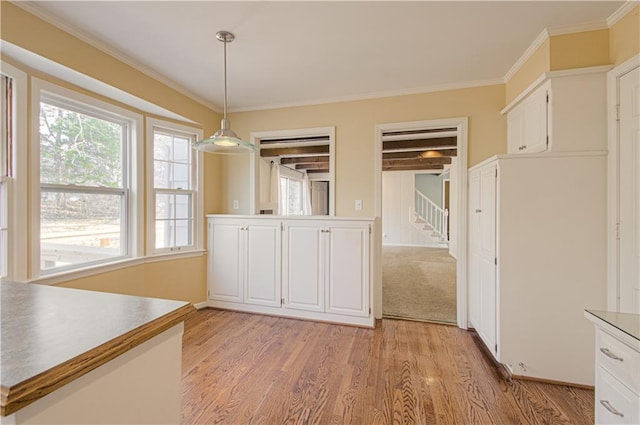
{"x": 478, "y": 211}
{"x": 610, "y": 408}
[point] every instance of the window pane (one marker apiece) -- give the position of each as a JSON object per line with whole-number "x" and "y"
{"x": 173, "y": 233}
{"x": 164, "y": 208}
{"x": 182, "y": 206}
{"x": 174, "y": 220}
{"x": 180, "y": 177}
{"x": 79, "y": 149}
{"x": 79, "y": 228}
{"x": 182, "y": 150}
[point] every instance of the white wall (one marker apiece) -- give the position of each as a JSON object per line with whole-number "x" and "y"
{"x": 398, "y": 211}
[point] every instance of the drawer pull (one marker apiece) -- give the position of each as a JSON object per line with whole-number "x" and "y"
{"x": 610, "y": 408}
{"x": 609, "y": 354}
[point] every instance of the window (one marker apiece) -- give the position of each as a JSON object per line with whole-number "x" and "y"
{"x": 6, "y": 136}
{"x": 291, "y": 196}
{"x": 87, "y": 181}
{"x": 174, "y": 201}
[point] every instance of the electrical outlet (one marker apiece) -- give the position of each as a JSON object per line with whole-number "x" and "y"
{"x": 358, "y": 204}
{"x": 236, "y": 204}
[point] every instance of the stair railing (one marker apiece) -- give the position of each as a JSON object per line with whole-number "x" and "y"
{"x": 434, "y": 217}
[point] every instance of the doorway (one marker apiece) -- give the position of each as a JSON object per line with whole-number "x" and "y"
{"x": 417, "y": 200}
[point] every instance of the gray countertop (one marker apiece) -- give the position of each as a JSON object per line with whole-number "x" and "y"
{"x": 50, "y": 334}
{"x": 625, "y": 322}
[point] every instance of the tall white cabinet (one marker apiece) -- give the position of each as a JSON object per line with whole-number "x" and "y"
{"x": 537, "y": 230}
{"x": 303, "y": 267}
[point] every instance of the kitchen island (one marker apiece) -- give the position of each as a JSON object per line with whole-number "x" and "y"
{"x": 74, "y": 356}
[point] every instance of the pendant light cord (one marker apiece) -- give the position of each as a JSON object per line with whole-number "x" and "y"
{"x": 225, "y": 79}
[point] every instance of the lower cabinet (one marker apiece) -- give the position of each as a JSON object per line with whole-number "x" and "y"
{"x": 316, "y": 269}
{"x": 244, "y": 268}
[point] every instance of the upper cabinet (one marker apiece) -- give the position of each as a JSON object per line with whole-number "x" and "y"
{"x": 562, "y": 111}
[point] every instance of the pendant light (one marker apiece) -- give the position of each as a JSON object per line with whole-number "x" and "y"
{"x": 225, "y": 141}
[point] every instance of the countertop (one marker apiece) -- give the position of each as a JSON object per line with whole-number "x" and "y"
{"x": 53, "y": 335}
{"x": 625, "y": 322}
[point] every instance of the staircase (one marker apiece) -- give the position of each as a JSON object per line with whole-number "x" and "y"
{"x": 431, "y": 218}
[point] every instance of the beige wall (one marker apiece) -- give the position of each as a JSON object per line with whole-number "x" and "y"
{"x": 183, "y": 279}
{"x": 624, "y": 37}
{"x": 579, "y": 50}
{"x": 537, "y": 64}
{"x": 355, "y": 140}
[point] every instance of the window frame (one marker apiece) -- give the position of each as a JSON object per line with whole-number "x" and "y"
{"x": 16, "y": 184}
{"x": 197, "y": 178}
{"x": 133, "y": 173}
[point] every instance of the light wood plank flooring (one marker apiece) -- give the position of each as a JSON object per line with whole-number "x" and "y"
{"x": 242, "y": 368}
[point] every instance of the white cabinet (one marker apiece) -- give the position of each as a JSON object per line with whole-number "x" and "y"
{"x": 244, "y": 266}
{"x": 617, "y": 367}
{"x": 303, "y": 266}
{"x": 482, "y": 253}
{"x": 308, "y": 268}
{"x": 537, "y": 245}
{"x": 562, "y": 111}
{"x": 527, "y": 126}
{"x": 326, "y": 267}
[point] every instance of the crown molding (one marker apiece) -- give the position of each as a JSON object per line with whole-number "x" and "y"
{"x": 621, "y": 12}
{"x": 376, "y": 95}
{"x": 539, "y": 41}
{"x": 32, "y": 8}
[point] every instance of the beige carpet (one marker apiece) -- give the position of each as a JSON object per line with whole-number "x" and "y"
{"x": 419, "y": 283}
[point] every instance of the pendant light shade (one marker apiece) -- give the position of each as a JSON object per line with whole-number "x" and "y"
{"x": 225, "y": 141}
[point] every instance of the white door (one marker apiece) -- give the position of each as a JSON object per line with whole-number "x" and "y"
{"x": 302, "y": 266}
{"x": 225, "y": 274}
{"x": 515, "y": 129}
{"x": 262, "y": 263}
{"x": 487, "y": 257}
{"x": 347, "y": 269}
{"x": 629, "y": 192}
{"x": 474, "y": 248}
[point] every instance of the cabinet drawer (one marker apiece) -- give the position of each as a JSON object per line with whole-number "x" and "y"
{"x": 615, "y": 403}
{"x": 619, "y": 359}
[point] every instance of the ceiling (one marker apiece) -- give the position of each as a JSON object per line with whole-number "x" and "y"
{"x": 292, "y": 53}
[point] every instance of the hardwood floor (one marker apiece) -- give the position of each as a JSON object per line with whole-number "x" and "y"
{"x": 241, "y": 368}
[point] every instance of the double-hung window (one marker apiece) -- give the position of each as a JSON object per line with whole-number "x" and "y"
{"x": 175, "y": 198}
{"x": 86, "y": 181}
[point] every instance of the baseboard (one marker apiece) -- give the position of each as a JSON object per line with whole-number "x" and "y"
{"x": 201, "y": 305}
{"x": 501, "y": 369}
{"x": 551, "y": 381}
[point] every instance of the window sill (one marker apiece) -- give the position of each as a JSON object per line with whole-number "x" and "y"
{"x": 56, "y": 278}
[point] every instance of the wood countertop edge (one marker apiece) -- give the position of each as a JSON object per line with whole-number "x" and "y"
{"x": 21, "y": 395}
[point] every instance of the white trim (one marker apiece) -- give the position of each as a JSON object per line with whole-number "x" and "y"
{"x": 613, "y": 77}
{"x": 461, "y": 124}
{"x": 201, "y": 305}
{"x": 198, "y": 163}
{"x": 135, "y": 153}
{"x": 32, "y": 8}
{"x": 53, "y": 279}
{"x": 17, "y": 188}
{"x": 377, "y": 95}
{"x": 577, "y": 28}
{"x": 254, "y": 164}
{"x": 621, "y": 12}
{"x": 74, "y": 77}
{"x": 553, "y": 74}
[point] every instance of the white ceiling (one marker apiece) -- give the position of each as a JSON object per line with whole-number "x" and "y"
{"x": 288, "y": 53}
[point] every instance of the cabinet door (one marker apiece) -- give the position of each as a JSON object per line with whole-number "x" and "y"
{"x": 515, "y": 130}
{"x": 347, "y": 269}
{"x": 262, "y": 263}
{"x": 225, "y": 274}
{"x": 535, "y": 122}
{"x": 487, "y": 258}
{"x": 474, "y": 248}
{"x": 302, "y": 266}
